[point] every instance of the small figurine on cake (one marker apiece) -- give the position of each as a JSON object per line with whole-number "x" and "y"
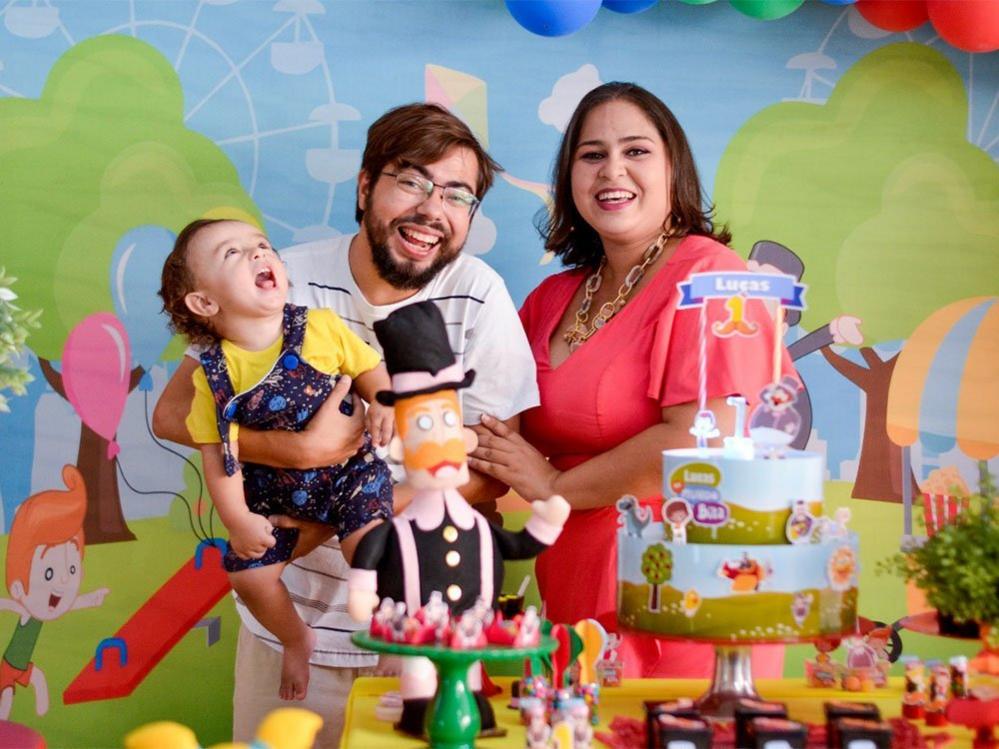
{"x": 438, "y": 542}
{"x": 745, "y": 573}
{"x": 775, "y": 422}
{"x": 677, "y": 513}
{"x": 800, "y": 523}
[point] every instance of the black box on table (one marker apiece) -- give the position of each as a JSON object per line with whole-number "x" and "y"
{"x": 747, "y": 709}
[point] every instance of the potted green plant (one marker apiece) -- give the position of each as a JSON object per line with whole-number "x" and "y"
{"x": 958, "y": 567}
{"x": 15, "y": 325}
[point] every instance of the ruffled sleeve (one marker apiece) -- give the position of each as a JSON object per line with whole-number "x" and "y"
{"x": 736, "y": 365}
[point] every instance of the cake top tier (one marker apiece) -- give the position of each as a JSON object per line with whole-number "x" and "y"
{"x": 758, "y": 483}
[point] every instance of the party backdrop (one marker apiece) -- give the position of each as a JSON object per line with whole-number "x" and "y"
{"x": 864, "y": 160}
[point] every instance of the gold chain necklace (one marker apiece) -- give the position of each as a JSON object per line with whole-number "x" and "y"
{"x": 582, "y": 328}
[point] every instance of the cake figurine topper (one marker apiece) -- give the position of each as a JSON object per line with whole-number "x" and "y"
{"x": 691, "y": 602}
{"x": 704, "y": 427}
{"x": 775, "y": 423}
{"x": 633, "y": 517}
{"x": 746, "y": 573}
{"x": 800, "y": 523}
{"x": 677, "y": 513}
{"x": 438, "y": 542}
{"x": 801, "y": 604}
{"x": 835, "y": 527}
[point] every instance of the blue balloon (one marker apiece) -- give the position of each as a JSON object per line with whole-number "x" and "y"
{"x": 553, "y": 17}
{"x": 629, "y": 6}
{"x": 136, "y": 267}
{"x": 839, "y": 2}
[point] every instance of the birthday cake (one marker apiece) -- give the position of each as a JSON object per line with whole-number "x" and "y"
{"x": 743, "y": 553}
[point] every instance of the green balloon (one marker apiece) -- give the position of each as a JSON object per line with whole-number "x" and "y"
{"x": 766, "y": 10}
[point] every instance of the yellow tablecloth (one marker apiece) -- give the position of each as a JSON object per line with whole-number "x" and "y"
{"x": 363, "y": 731}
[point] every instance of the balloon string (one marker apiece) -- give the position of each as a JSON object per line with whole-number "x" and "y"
{"x": 702, "y": 386}
{"x": 210, "y": 532}
{"x": 181, "y": 497}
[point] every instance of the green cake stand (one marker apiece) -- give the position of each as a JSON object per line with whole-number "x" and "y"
{"x": 453, "y": 718}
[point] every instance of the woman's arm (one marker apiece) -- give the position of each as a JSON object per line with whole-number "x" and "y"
{"x": 330, "y": 437}
{"x": 633, "y": 467}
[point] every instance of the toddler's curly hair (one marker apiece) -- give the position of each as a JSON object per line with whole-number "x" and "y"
{"x": 177, "y": 281}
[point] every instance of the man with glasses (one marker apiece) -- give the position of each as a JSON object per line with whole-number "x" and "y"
{"x": 422, "y": 176}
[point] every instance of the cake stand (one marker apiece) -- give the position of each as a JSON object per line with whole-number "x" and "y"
{"x": 453, "y": 718}
{"x": 732, "y": 679}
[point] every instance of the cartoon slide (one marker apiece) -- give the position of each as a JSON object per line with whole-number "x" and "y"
{"x": 153, "y": 630}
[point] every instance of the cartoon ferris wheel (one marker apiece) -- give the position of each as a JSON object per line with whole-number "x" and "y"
{"x": 228, "y": 91}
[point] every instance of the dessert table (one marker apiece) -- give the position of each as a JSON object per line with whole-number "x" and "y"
{"x": 363, "y": 731}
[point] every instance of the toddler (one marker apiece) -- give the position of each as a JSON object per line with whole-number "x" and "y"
{"x": 268, "y": 365}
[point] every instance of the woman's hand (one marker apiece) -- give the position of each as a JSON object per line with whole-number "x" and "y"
{"x": 506, "y": 456}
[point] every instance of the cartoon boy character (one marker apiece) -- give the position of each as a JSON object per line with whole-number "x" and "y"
{"x": 44, "y": 572}
{"x": 677, "y": 513}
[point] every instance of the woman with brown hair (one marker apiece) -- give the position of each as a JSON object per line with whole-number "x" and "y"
{"x": 618, "y": 364}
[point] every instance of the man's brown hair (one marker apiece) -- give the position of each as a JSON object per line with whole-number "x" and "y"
{"x": 177, "y": 281}
{"x": 421, "y": 134}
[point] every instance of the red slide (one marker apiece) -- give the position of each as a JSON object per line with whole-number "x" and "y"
{"x": 152, "y": 631}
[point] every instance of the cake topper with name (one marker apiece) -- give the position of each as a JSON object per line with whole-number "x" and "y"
{"x": 737, "y": 288}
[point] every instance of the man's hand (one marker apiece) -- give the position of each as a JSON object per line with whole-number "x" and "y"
{"x": 330, "y": 437}
{"x": 310, "y": 534}
{"x": 554, "y": 510}
{"x": 250, "y": 536}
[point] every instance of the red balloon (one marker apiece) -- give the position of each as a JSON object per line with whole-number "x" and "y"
{"x": 971, "y": 25}
{"x": 894, "y": 15}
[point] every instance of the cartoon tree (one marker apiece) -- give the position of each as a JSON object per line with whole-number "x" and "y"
{"x": 657, "y": 567}
{"x": 894, "y": 212}
{"x": 102, "y": 156}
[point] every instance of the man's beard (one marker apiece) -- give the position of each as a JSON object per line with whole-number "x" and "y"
{"x": 405, "y": 274}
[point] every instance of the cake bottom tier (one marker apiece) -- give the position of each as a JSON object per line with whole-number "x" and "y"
{"x": 750, "y": 593}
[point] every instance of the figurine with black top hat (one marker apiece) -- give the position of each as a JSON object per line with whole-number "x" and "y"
{"x": 438, "y": 542}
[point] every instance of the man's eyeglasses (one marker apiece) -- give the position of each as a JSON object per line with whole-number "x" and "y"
{"x": 415, "y": 184}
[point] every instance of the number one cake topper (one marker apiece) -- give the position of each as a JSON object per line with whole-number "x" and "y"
{"x": 775, "y": 422}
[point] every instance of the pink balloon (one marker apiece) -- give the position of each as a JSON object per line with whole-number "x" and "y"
{"x": 96, "y": 369}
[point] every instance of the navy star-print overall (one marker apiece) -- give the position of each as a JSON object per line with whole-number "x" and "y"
{"x": 345, "y": 496}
